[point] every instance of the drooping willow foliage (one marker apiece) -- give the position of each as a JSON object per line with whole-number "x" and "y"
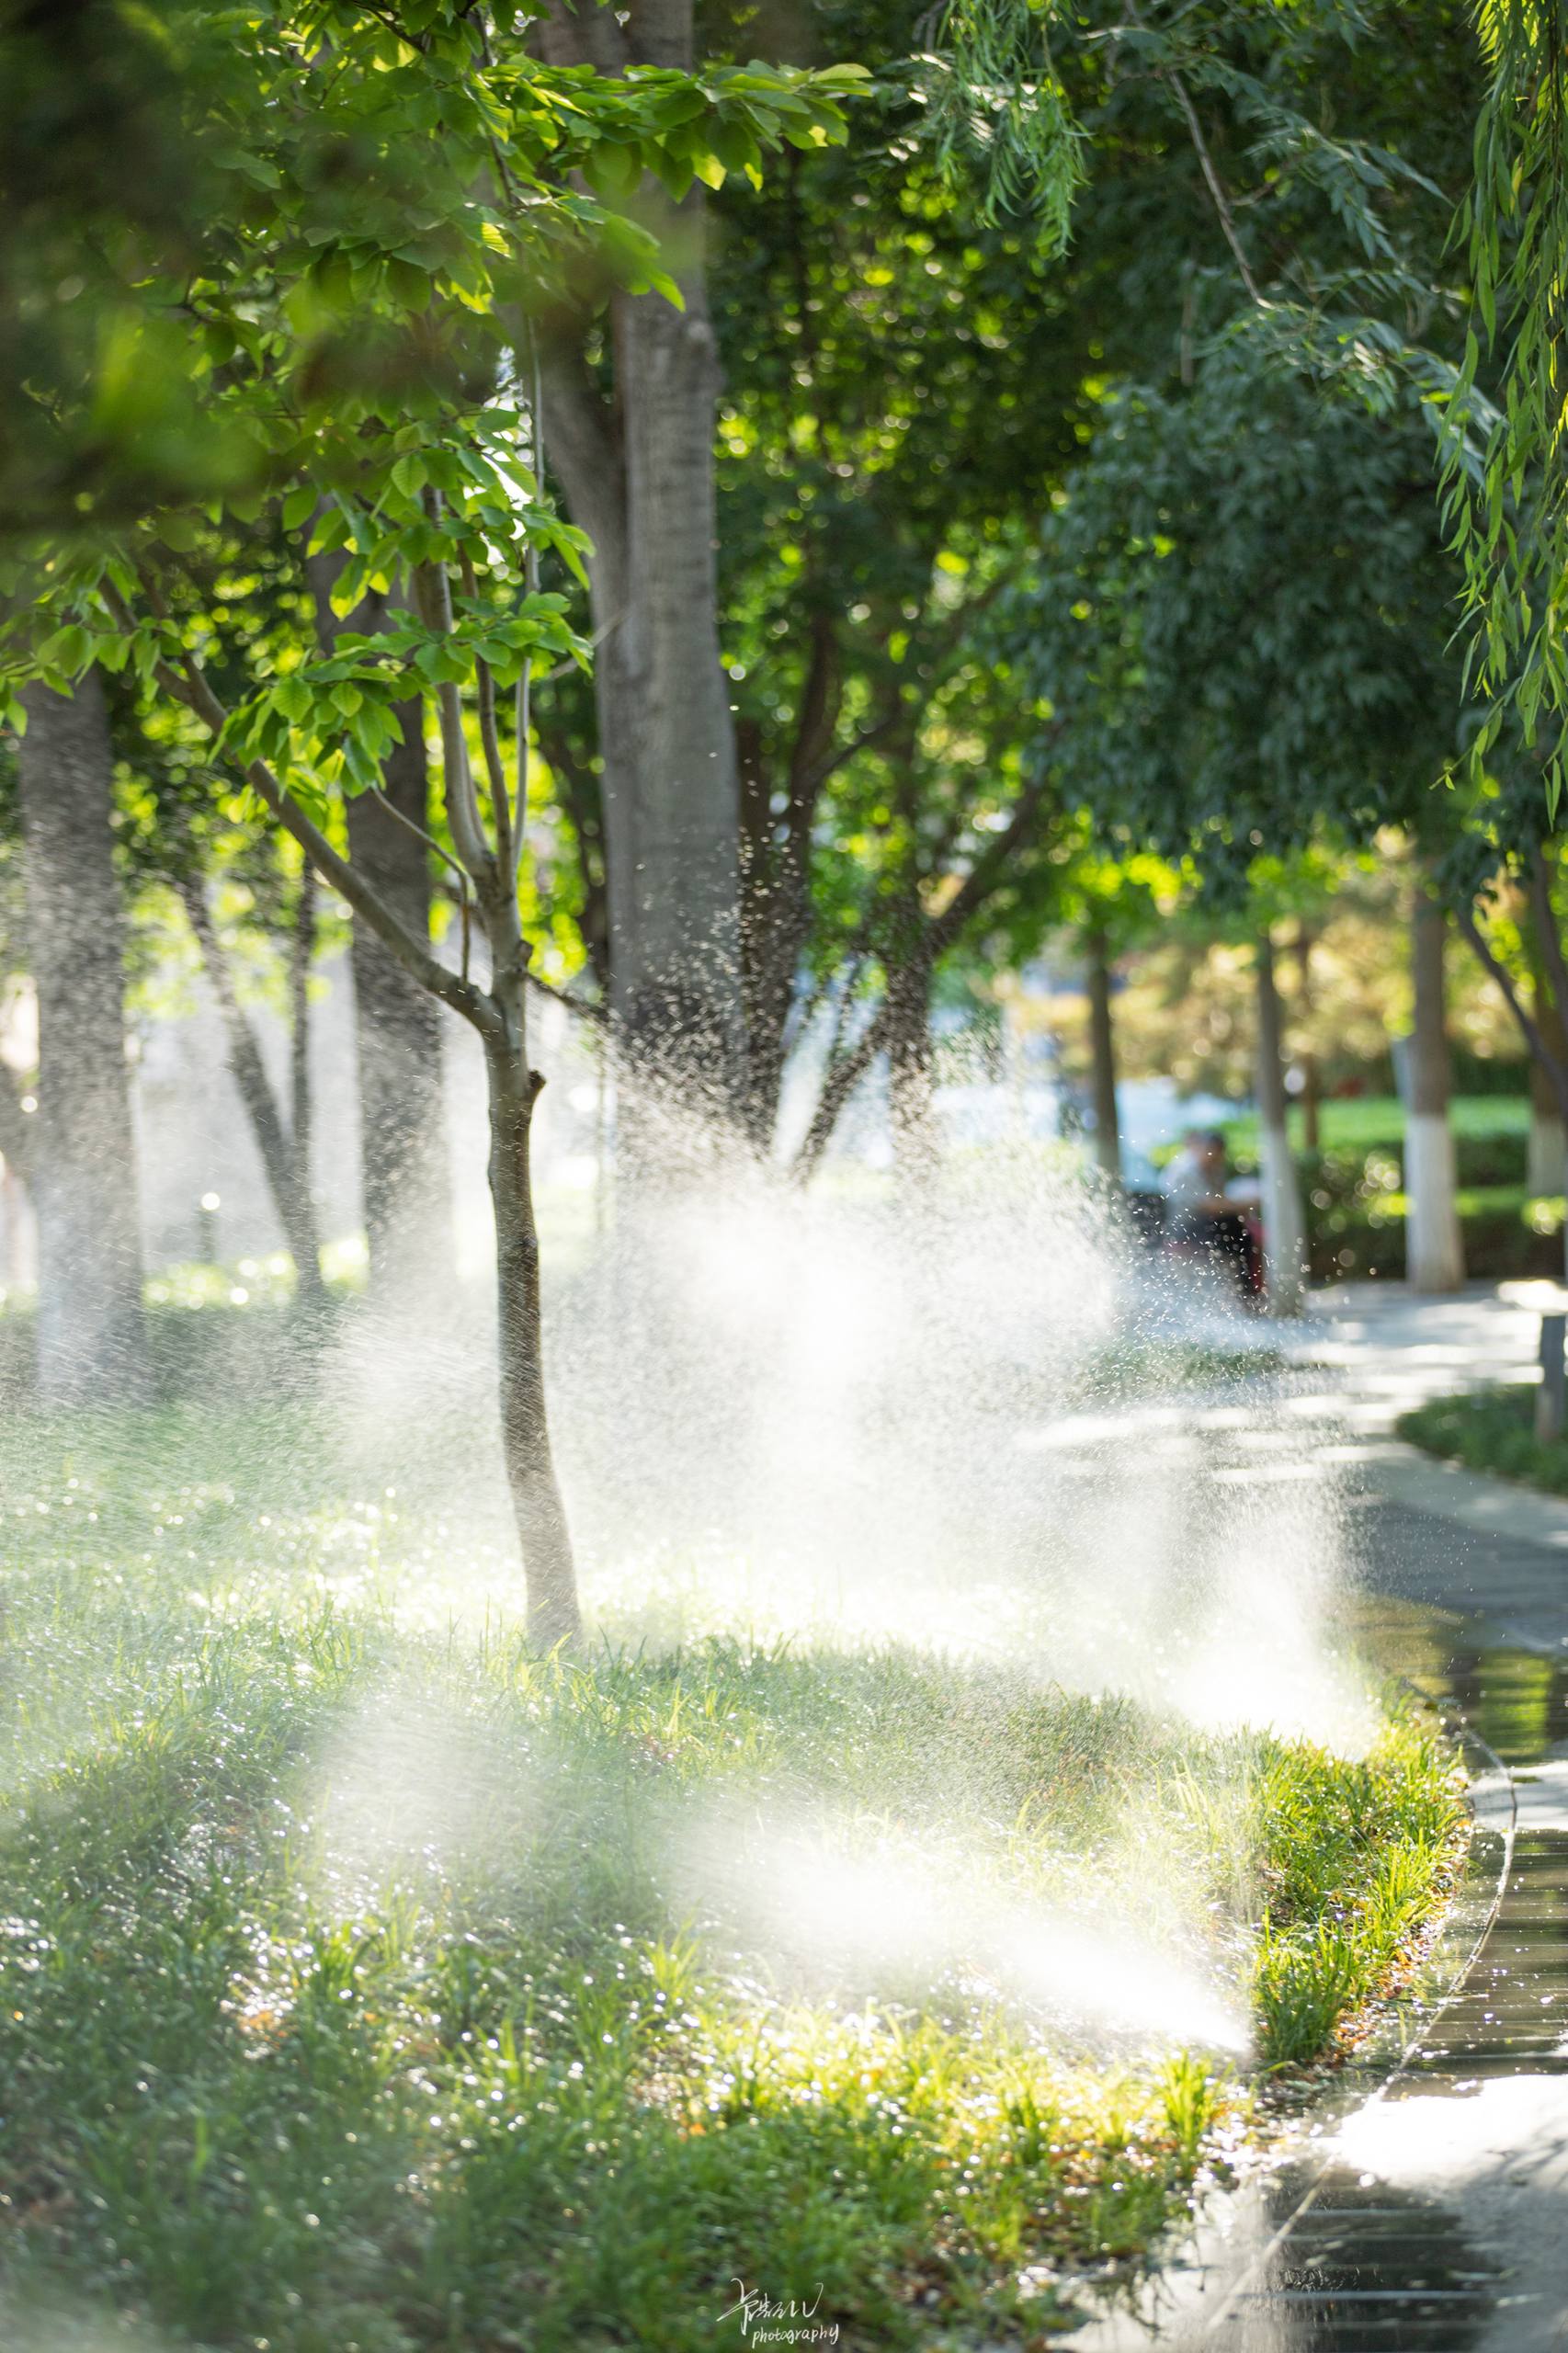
{"x": 1506, "y": 474}
{"x": 996, "y": 110}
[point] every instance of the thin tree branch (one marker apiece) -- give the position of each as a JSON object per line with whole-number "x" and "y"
{"x": 830, "y": 766}
{"x": 192, "y": 689}
{"x": 1215, "y": 185}
{"x": 1546, "y": 923}
{"x": 433, "y": 591}
{"x": 524, "y": 711}
{"x": 1168, "y": 74}
{"x": 1535, "y": 1041}
{"x": 597, "y": 1013}
{"x": 941, "y": 933}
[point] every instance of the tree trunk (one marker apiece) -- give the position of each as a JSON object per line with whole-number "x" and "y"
{"x": 405, "y": 1180}
{"x": 1284, "y": 1247}
{"x": 302, "y": 958}
{"x": 911, "y": 1115}
{"x": 525, "y": 1432}
{"x": 1546, "y": 1169}
{"x": 287, "y": 1172}
{"x": 91, "y": 1339}
{"x": 638, "y": 473}
{"x": 676, "y": 911}
{"x": 1312, "y": 1086}
{"x": 1546, "y": 1166}
{"x": 1433, "y": 1244}
{"x": 1102, "y": 1051}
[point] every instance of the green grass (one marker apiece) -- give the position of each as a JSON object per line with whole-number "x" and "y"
{"x": 1131, "y": 1367}
{"x": 1363, "y": 1121}
{"x": 1489, "y": 1429}
{"x": 372, "y": 1984}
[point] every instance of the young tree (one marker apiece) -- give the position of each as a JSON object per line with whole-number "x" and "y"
{"x": 358, "y": 331}
{"x": 81, "y": 1163}
{"x": 1244, "y": 622}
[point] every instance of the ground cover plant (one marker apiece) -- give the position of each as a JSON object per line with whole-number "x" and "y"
{"x": 1489, "y": 1429}
{"x": 371, "y": 1984}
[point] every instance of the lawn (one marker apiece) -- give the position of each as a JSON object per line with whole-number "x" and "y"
{"x": 372, "y": 1985}
{"x": 1362, "y": 1122}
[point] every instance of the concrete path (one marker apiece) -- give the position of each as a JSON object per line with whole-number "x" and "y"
{"x": 1427, "y": 2208}
{"x": 1431, "y": 1531}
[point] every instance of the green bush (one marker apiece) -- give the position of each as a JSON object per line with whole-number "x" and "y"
{"x": 1489, "y": 1429}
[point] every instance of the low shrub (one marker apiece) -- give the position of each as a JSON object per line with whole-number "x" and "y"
{"x": 1491, "y": 1430}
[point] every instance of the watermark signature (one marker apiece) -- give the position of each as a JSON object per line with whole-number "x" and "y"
{"x": 778, "y": 2320}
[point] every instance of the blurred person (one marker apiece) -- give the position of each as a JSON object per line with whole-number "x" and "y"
{"x": 1209, "y": 1216}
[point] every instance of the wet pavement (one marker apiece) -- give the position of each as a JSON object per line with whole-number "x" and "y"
{"x": 1425, "y": 2204}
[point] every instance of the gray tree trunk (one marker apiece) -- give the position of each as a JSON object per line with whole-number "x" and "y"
{"x": 1433, "y": 1244}
{"x": 405, "y": 1174}
{"x": 404, "y": 1178}
{"x": 513, "y": 1088}
{"x": 1102, "y": 1049}
{"x": 638, "y": 475}
{"x": 91, "y": 1339}
{"x": 285, "y": 1158}
{"x": 1284, "y": 1232}
{"x": 676, "y": 915}
{"x": 911, "y": 1115}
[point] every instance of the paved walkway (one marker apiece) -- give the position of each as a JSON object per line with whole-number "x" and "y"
{"x": 1434, "y": 1532}
{"x": 1428, "y": 2207}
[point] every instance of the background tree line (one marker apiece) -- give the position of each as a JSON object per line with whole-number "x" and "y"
{"x": 971, "y": 490}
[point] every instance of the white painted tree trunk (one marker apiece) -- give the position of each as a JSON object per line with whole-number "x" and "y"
{"x": 1433, "y": 1244}
{"x": 1546, "y": 1164}
{"x": 1284, "y": 1227}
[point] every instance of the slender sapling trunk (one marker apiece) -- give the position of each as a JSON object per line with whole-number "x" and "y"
{"x": 1102, "y": 1053}
{"x": 1434, "y": 1244}
{"x": 1284, "y": 1234}
{"x": 536, "y": 1506}
{"x": 285, "y": 1169}
{"x": 302, "y": 956}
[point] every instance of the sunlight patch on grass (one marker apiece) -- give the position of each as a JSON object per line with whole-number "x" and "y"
{"x": 371, "y": 1985}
